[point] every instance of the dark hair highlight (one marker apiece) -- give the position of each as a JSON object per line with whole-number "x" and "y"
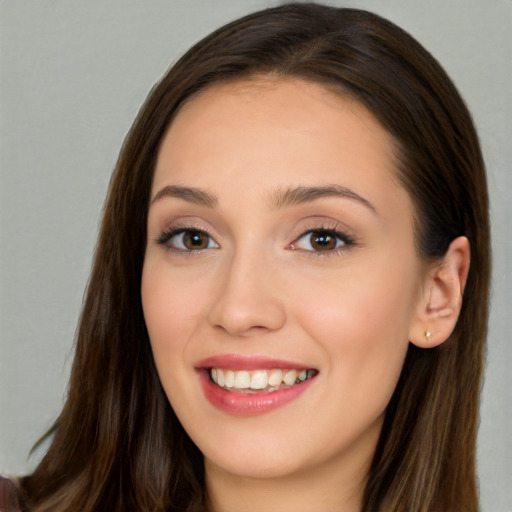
{"x": 117, "y": 444}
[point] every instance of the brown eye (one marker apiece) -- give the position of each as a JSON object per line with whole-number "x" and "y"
{"x": 187, "y": 240}
{"x": 322, "y": 241}
{"x": 195, "y": 240}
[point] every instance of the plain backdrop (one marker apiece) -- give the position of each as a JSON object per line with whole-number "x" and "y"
{"x": 72, "y": 78}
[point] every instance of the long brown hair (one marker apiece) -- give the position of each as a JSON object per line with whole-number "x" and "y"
{"x": 117, "y": 444}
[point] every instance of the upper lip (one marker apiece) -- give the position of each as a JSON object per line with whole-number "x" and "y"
{"x": 249, "y": 362}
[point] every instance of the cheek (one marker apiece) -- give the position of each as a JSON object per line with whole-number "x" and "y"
{"x": 361, "y": 320}
{"x": 359, "y": 303}
{"x": 170, "y": 310}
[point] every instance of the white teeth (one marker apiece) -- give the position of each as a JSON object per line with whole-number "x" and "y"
{"x": 290, "y": 377}
{"x": 275, "y": 378}
{"x": 258, "y": 379}
{"x": 242, "y": 380}
{"x": 229, "y": 378}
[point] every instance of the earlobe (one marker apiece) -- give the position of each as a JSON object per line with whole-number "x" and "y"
{"x": 441, "y": 300}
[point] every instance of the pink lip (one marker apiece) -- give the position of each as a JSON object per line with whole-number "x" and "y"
{"x": 248, "y": 404}
{"x": 241, "y": 362}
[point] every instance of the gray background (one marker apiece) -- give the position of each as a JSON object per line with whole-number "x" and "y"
{"x": 72, "y": 77}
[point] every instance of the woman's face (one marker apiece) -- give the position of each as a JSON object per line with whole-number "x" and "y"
{"x": 280, "y": 281}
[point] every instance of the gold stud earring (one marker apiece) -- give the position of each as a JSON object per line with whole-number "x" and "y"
{"x": 428, "y": 335}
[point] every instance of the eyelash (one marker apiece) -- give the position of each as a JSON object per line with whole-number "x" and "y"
{"x": 345, "y": 239}
{"x": 341, "y": 237}
{"x": 166, "y": 239}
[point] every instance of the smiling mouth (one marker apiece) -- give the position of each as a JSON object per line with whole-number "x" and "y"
{"x": 262, "y": 381}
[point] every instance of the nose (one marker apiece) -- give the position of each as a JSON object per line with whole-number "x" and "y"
{"x": 249, "y": 299}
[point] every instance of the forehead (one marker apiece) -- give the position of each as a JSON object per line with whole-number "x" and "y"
{"x": 266, "y": 133}
{"x": 273, "y": 100}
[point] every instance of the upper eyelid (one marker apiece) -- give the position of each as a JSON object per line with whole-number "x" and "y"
{"x": 185, "y": 225}
{"x": 336, "y": 232}
{"x": 172, "y": 231}
{"x": 183, "y": 251}
{"x": 169, "y": 218}
{"x": 303, "y": 227}
{"x": 331, "y": 225}
{"x": 343, "y": 237}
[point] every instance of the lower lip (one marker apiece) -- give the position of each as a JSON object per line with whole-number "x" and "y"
{"x": 249, "y": 404}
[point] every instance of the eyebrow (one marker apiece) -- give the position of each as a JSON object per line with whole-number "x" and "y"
{"x": 302, "y": 194}
{"x": 280, "y": 199}
{"x": 190, "y": 194}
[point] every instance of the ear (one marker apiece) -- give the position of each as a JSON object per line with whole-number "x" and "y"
{"x": 441, "y": 297}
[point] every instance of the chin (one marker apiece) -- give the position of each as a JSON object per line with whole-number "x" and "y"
{"x": 255, "y": 467}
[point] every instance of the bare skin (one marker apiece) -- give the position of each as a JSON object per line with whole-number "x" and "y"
{"x": 277, "y": 230}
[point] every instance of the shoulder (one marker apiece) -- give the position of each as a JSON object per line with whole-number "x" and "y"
{"x": 8, "y": 496}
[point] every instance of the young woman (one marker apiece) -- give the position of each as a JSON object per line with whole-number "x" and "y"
{"x": 288, "y": 305}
